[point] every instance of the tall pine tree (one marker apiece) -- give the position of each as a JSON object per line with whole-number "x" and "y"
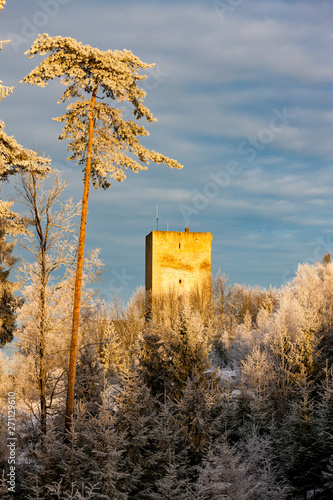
{"x": 99, "y": 136}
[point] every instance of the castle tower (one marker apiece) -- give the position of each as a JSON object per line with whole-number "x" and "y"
{"x": 178, "y": 261}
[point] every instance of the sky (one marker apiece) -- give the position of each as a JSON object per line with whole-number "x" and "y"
{"x": 242, "y": 91}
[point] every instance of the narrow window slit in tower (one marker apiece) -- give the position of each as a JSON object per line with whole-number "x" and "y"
{"x": 180, "y": 281}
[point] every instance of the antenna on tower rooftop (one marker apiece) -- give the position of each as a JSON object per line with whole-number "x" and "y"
{"x": 156, "y": 217}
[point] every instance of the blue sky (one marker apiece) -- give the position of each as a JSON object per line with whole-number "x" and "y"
{"x": 242, "y": 91}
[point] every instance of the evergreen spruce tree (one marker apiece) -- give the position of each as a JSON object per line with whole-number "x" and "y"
{"x": 257, "y": 454}
{"x": 105, "y": 448}
{"x": 240, "y": 414}
{"x": 172, "y": 464}
{"x": 299, "y": 454}
{"x": 87, "y": 461}
{"x": 8, "y": 301}
{"x": 196, "y": 418}
{"x": 89, "y": 382}
{"x": 135, "y": 417}
{"x": 46, "y": 463}
{"x": 76, "y": 467}
{"x": 168, "y": 356}
{"x": 223, "y": 475}
{"x": 170, "y": 486}
{"x": 257, "y": 372}
{"x": 324, "y": 425}
{"x": 328, "y": 475}
{"x": 325, "y": 350}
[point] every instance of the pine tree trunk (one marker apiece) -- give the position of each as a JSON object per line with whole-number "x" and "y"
{"x": 79, "y": 268}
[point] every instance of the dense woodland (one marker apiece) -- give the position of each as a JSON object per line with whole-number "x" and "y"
{"x": 228, "y": 398}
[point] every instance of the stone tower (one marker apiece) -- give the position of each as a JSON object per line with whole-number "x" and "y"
{"x": 178, "y": 262}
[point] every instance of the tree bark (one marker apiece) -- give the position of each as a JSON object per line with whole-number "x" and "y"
{"x": 79, "y": 269}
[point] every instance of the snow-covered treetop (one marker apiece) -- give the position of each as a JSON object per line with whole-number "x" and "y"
{"x": 81, "y": 66}
{"x": 115, "y": 74}
{"x": 12, "y": 220}
{"x": 4, "y": 91}
{"x": 14, "y": 157}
